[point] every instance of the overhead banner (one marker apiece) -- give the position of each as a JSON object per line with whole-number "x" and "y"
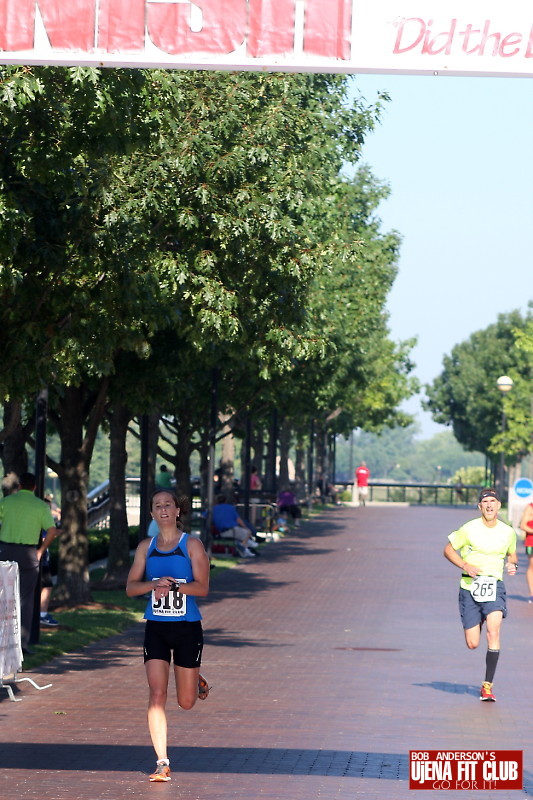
{"x": 455, "y": 37}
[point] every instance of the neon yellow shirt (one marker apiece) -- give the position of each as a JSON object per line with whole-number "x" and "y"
{"x": 23, "y": 516}
{"x": 484, "y": 547}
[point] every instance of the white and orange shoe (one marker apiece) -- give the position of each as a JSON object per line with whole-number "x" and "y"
{"x": 161, "y": 772}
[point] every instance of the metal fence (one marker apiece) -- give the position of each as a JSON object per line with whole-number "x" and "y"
{"x": 420, "y": 493}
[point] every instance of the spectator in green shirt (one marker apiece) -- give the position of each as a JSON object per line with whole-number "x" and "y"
{"x": 22, "y": 518}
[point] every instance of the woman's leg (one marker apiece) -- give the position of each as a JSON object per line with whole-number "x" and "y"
{"x": 186, "y": 686}
{"x": 529, "y": 576}
{"x": 157, "y": 672}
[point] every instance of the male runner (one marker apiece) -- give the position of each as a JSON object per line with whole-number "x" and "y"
{"x": 483, "y": 544}
{"x": 362, "y": 476}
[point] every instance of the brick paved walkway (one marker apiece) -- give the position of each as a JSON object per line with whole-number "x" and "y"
{"x": 331, "y": 656}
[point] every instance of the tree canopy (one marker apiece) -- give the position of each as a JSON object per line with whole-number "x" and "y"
{"x": 154, "y": 224}
{"x": 465, "y": 394}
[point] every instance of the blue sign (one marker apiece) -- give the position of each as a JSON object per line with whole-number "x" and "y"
{"x": 523, "y": 487}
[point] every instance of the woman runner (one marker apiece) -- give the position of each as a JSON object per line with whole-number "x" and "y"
{"x": 174, "y": 568}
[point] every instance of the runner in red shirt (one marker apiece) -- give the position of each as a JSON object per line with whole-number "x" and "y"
{"x": 362, "y": 476}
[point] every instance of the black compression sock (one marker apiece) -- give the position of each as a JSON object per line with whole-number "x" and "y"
{"x": 491, "y": 662}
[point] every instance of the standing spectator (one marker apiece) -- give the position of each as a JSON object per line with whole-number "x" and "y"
{"x": 255, "y": 480}
{"x": 164, "y": 479}
{"x": 526, "y": 525}
{"x": 255, "y": 486}
{"x": 54, "y": 508}
{"x": 362, "y": 476}
{"x": 47, "y": 584}
{"x": 288, "y": 505}
{"x": 23, "y": 516}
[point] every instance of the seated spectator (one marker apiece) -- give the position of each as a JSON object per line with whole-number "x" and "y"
{"x": 333, "y": 494}
{"x": 288, "y": 505}
{"x": 229, "y": 525}
{"x": 281, "y": 523}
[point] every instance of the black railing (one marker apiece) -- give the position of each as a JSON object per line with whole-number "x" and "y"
{"x": 420, "y": 493}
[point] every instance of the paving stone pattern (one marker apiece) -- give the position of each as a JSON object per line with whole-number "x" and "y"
{"x": 331, "y": 656}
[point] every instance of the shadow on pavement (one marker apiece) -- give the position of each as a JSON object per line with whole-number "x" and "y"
{"x": 453, "y": 688}
{"x": 228, "y": 760}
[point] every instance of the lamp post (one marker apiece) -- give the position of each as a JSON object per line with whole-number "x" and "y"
{"x": 504, "y": 384}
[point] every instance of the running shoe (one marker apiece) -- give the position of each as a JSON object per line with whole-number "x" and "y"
{"x": 161, "y": 773}
{"x": 49, "y": 621}
{"x": 252, "y": 544}
{"x": 243, "y": 552}
{"x": 486, "y": 692}
{"x": 203, "y": 687}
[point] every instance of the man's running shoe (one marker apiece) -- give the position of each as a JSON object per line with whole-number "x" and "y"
{"x": 161, "y": 773}
{"x": 486, "y": 692}
{"x": 251, "y": 543}
{"x": 203, "y": 688}
{"x": 49, "y": 621}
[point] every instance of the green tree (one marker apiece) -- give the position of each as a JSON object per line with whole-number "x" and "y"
{"x": 465, "y": 394}
{"x": 358, "y": 376}
{"x": 133, "y": 202}
{"x": 517, "y": 438}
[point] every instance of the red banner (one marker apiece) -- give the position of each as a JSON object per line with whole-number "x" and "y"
{"x": 419, "y": 36}
{"x": 466, "y": 769}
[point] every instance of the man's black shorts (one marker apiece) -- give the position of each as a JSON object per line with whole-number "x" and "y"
{"x": 184, "y": 639}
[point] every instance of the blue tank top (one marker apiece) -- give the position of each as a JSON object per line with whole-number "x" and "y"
{"x": 176, "y": 564}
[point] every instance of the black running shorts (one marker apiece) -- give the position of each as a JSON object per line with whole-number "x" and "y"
{"x": 184, "y": 639}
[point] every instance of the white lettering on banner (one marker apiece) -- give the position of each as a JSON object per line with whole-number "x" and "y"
{"x": 424, "y": 36}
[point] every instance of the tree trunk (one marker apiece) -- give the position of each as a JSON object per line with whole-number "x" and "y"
{"x": 270, "y": 482}
{"x": 118, "y": 560}
{"x": 257, "y": 448}
{"x": 182, "y": 461}
{"x": 149, "y": 425}
{"x": 227, "y": 460}
{"x": 321, "y": 460}
{"x": 203, "y": 449}
{"x": 14, "y": 454}
{"x": 77, "y": 408}
{"x": 300, "y": 468}
{"x": 284, "y": 445}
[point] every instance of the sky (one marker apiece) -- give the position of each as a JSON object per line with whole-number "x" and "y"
{"x": 457, "y": 154}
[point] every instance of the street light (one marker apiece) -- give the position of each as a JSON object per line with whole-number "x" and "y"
{"x": 504, "y": 384}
